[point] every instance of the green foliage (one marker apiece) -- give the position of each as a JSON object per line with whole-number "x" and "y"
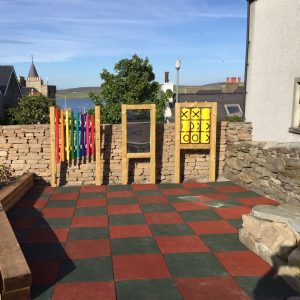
{"x": 234, "y": 119}
{"x": 31, "y": 110}
{"x": 5, "y": 175}
{"x": 132, "y": 83}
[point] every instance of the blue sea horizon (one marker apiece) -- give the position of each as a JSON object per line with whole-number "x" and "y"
{"x": 77, "y": 105}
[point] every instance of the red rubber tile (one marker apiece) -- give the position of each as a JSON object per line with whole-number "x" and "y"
{"x": 230, "y": 188}
{"x": 169, "y": 192}
{"x": 87, "y": 249}
{"x": 212, "y": 197}
{"x": 152, "y": 199}
{"x": 144, "y": 187}
{"x": 32, "y": 203}
{"x": 195, "y": 185}
{"x": 233, "y": 212}
{"x": 89, "y": 221}
{"x": 84, "y": 290}
{"x": 120, "y": 194}
{"x": 212, "y": 227}
{"x": 124, "y": 209}
{"x": 257, "y": 200}
{"x": 22, "y": 223}
{"x": 41, "y": 189}
{"x": 91, "y": 202}
{"x": 58, "y": 212}
{"x": 210, "y": 288}
{"x": 93, "y": 189}
{"x": 126, "y": 231}
{"x": 187, "y": 206}
{"x": 163, "y": 218}
{"x": 47, "y": 235}
{"x": 140, "y": 266}
{"x": 64, "y": 196}
{"x": 180, "y": 244}
{"x": 243, "y": 263}
{"x": 44, "y": 272}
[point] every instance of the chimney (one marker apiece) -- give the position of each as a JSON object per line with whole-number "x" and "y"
{"x": 166, "y": 77}
{"x": 239, "y": 80}
{"x": 227, "y": 80}
{"x": 233, "y": 80}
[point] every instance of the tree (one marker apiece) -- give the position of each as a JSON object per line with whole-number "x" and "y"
{"x": 132, "y": 83}
{"x": 31, "y": 110}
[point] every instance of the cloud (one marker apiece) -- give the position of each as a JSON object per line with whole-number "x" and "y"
{"x": 14, "y": 42}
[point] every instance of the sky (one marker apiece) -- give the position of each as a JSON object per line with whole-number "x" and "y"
{"x": 72, "y": 41}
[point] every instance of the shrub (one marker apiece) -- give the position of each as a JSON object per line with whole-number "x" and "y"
{"x": 5, "y": 175}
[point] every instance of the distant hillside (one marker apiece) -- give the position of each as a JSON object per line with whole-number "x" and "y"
{"x": 77, "y": 93}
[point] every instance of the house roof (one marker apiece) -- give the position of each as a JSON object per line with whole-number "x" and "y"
{"x": 32, "y": 71}
{"x": 28, "y": 90}
{"x": 5, "y": 74}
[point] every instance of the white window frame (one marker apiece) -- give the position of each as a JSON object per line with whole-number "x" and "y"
{"x": 296, "y": 105}
{"x": 235, "y": 114}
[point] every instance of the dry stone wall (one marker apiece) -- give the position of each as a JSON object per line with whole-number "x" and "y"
{"x": 27, "y": 148}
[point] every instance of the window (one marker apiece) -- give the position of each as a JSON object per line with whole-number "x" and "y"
{"x": 295, "y": 128}
{"x": 233, "y": 110}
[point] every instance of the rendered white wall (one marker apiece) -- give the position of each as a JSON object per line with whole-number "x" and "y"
{"x": 274, "y": 63}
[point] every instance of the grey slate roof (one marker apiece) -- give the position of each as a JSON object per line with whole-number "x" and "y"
{"x": 32, "y": 71}
{"x": 5, "y": 74}
{"x": 27, "y": 90}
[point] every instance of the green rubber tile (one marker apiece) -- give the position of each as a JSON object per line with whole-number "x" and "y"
{"x": 184, "y": 265}
{"x": 147, "y": 289}
{"x": 247, "y": 194}
{"x": 221, "y": 183}
{"x": 92, "y": 195}
{"x": 223, "y": 242}
{"x": 200, "y": 191}
{"x": 24, "y": 212}
{"x": 91, "y": 211}
{"x": 199, "y": 215}
{"x": 148, "y": 193}
{"x": 53, "y": 223}
{"x": 183, "y": 198}
{"x": 237, "y": 223}
{"x": 118, "y": 187}
{"x": 67, "y": 189}
{"x": 171, "y": 229}
{"x": 224, "y": 203}
{"x": 61, "y": 203}
{"x": 116, "y": 220}
{"x": 86, "y": 270}
{"x": 266, "y": 287}
{"x": 88, "y": 234}
{"x": 140, "y": 245}
{"x": 157, "y": 207}
{"x": 170, "y": 186}
{"x": 43, "y": 252}
{"x": 41, "y": 292}
{"x": 124, "y": 200}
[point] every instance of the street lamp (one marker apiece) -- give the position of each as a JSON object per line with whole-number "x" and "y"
{"x": 177, "y": 66}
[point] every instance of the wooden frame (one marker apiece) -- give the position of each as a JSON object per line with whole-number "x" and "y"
{"x": 53, "y": 166}
{"x": 125, "y": 155}
{"x": 98, "y": 144}
{"x": 211, "y": 145}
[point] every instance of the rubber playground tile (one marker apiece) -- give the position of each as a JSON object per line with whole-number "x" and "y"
{"x": 170, "y": 186}
{"x": 251, "y": 201}
{"x": 181, "y": 191}
{"x": 155, "y": 192}
{"x": 171, "y": 229}
{"x": 22, "y": 223}
{"x": 92, "y": 195}
{"x": 118, "y": 187}
{"x": 237, "y": 223}
{"x": 184, "y": 265}
{"x": 152, "y": 199}
{"x": 183, "y": 198}
{"x": 147, "y": 289}
{"x": 223, "y": 203}
{"x": 84, "y": 270}
{"x": 120, "y": 194}
{"x": 78, "y": 249}
{"x": 223, "y": 242}
{"x": 23, "y": 212}
{"x": 44, "y": 272}
{"x": 188, "y": 206}
{"x": 58, "y": 212}
{"x": 124, "y": 209}
{"x": 85, "y": 290}
{"x": 41, "y": 291}
{"x": 220, "y": 287}
{"x": 213, "y": 197}
{"x": 180, "y": 244}
{"x": 125, "y": 231}
{"x": 90, "y": 221}
{"x": 91, "y": 202}
{"x": 67, "y": 189}
{"x": 204, "y": 190}
{"x": 233, "y": 212}
{"x": 246, "y": 194}
{"x": 220, "y": 183}
{"x": 41, "y": 190}
{"x": 140, "y": 266}
{"x": 39, "y": 203}
{"x": 21, "y": 235}
{"x": 212, "y": 227}
{"x": 143, "y": 187}
{"x": 131, "y": 219}
{"x": 195, "y": 185}
{"x": 140, "y": 245}
{"x": 47, "y": 235}
{"x": 163, "y": 218}
{"x": 122, "y": 200}
{"x": 230, "y": 188}
{"x": 90, "y": 211}
{"x": 64, "y": 196}
{"x": 88, "y": 234}
{"x": 93, "y": 189}
{"x": 243, "y": 263}
{"x": 60, "y": 203}
{"x": 53, "y": 223}
{"x": 160, "y": 207}
{"x": 200, "y": 215}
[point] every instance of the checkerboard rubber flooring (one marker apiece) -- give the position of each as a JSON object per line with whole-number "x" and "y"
{"x": 165, "y": 241}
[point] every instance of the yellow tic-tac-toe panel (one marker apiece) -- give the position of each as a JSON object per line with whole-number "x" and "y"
{"x": 185, "y": 114}
{"x": 195, "y": 114}
{"x": 195, "y": 126}
{"x": 195, "y": 137}
{"x": 205, "y": 113}
{"x": 205, "y": 137}
{"x": 205, "y": 125}
{"x": 185, "y": 137}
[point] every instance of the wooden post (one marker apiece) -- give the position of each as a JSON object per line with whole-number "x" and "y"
{"x": 213, "y": 140}
{"x": 52, "y": 143}
{"x": 98, "y": 144}
{"x": 124, "y": 146}
{"x": 177, "y": 143}
{"x": 153, "y": 144}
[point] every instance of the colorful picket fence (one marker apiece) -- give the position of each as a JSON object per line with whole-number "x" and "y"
{"x": 74, "y": 137}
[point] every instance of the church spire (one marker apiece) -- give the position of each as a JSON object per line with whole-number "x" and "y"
{"x": 32, "y": 72}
